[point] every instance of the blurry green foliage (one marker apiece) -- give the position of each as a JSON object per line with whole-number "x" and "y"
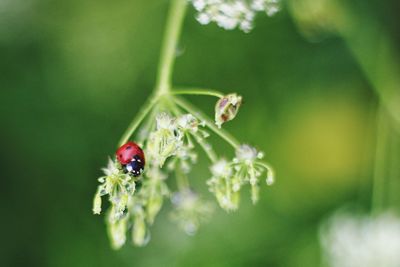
{"x": 73, "y": 74}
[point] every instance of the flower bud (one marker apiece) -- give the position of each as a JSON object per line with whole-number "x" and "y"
{"x": 226, "y": 108}
{"x": 140, "y": 233}
{"x": 117, "y": 232}
{"x": 255, "y": 191}
{"x": 97, "y": 203}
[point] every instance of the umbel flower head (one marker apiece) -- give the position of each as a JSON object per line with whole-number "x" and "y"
{"x": 229, "y": 177}
{"x": 352, "y": 241}
{"x": 175, "y": 133}
{"x": 231, "y": 14}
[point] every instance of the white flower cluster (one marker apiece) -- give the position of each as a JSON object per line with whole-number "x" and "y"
{"x": 173, "y": 137}
{"x": 118, "y": 186}
{"x": 231, "y": 14}
{"x": 169, "y": 148}
{"x": 229, "y": 177}
{"x": 350, "y": 241}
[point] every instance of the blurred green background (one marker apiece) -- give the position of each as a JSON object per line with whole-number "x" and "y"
{"x": 74, "y": 73}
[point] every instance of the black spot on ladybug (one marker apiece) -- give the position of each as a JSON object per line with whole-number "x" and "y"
{"x": 128, "y": 147}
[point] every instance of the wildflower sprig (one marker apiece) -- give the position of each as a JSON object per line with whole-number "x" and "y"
{"x": 229, "y": 177}
{"x": 118, "y": 186}
{"x": 171, "y": 131}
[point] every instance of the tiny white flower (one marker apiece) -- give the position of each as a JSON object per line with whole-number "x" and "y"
{"x": 187, "y": 122}
{"x": 118, "y": 185}
{"x": 111, "y": 169}
{"x": 97, "y": 203}
{"x": 258, "y": 5}
{"x": 199, "y": 4}
{"x": 164, "y": 141}
{"x": 165, "y": 121}
{"x": 270, "y": 178}
{"x": 246, "y": 153}
{"x": 231, "y": 14}
{"x": 221, "y": 168}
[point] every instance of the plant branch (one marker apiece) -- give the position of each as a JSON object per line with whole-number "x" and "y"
{"x": 197, "y": 91}
{"x": 210, "y": 124}
{"x": 138, "y": 119}
{"x": 173, "y": 28}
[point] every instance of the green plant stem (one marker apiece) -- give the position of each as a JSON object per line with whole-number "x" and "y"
{"x": 378, "y": 189}
{"x": 207, "y": 148}
{"x": 210, "y": 124}
{"x": 173, "y": 29}
{"x": 377, "y": 57}
{"x": 271, "y": 173}
{"x": 196, "y": 91}
{"x": 386, "y": 171}
{"x": 138, "y": 119}
{"x": 374, "y": 51}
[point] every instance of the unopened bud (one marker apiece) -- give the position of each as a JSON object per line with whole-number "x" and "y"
{"x": 226, "y": 108}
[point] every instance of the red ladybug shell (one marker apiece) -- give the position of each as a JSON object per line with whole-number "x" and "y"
{"x": 127, "y": 152}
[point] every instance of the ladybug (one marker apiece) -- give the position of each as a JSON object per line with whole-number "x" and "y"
{"x": 132, "y": 159}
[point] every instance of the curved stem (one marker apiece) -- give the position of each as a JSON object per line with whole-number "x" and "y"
{"x": 173, "y": 28}
{"x": 206, "y": 148}
{"x": 270, "y": 175}
{"x": 195, "y": 91}
{"x": 138, "y": 119}
{"x": 210, "y": 124}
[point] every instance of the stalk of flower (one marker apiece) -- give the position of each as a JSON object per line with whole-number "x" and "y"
{"x": 171, "y": 131}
